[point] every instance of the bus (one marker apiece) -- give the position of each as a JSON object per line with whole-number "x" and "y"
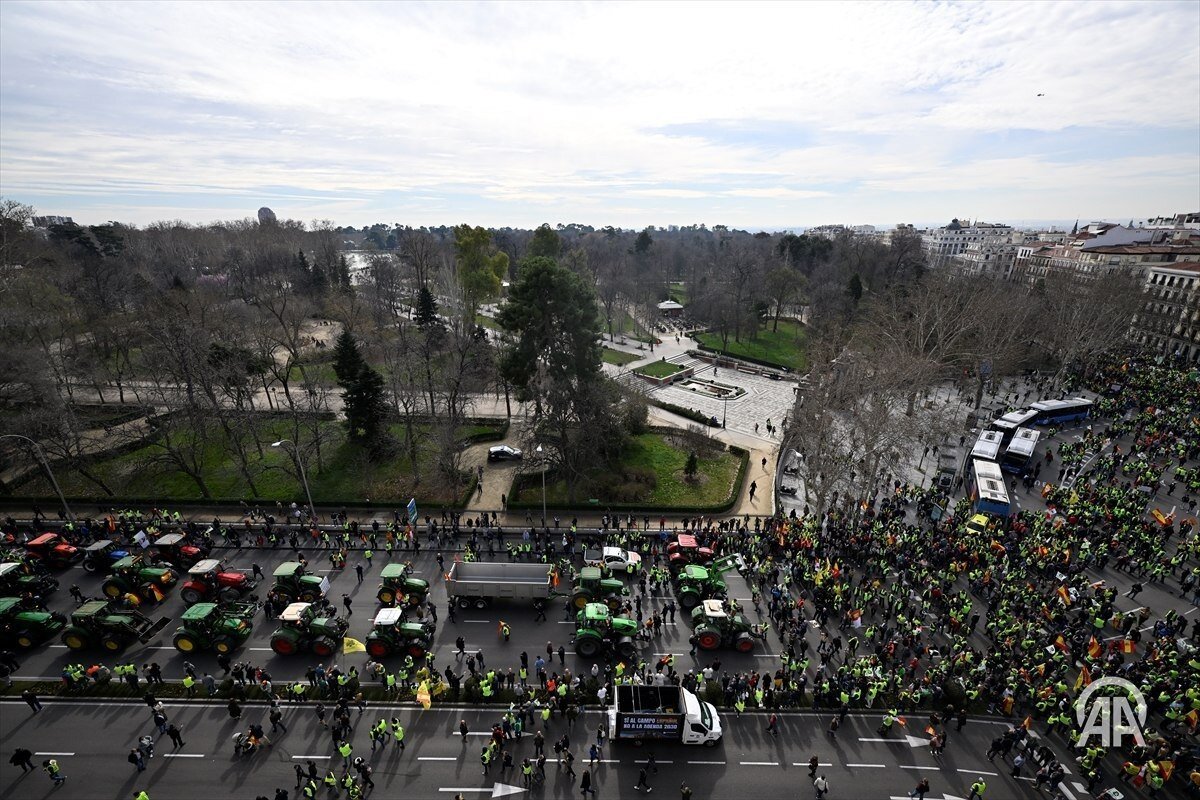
{"x": 1020, "y": 450}
{"x": 988, "y": 446}
{"x": 1008, "y": 424}
{"x": 988, "y": 494}
{"x": 1056, "y": 412}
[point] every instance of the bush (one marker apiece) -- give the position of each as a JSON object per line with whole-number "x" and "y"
{"x": 689, "y": 413}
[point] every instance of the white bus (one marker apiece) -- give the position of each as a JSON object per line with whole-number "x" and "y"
{"x": 988, "y": 446}
{"x": 1020, "y": 450}
{"x": 1008, "y": 424}
{"x": 988, "y": 493}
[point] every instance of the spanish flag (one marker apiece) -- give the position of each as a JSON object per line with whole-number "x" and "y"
{"x": 352, "y": 646}
{"x": 1061, "y": 644}
{"x": 1128, "y": 646}
{"x": 1027, "y": 723}
{"x": 1041, "y": 669}
{"x": 1085, "y": 678}
{"x": 1166, "y": 769}
{"x": 1064, "y": 595}
{"x": 1094, "y": 648}
{"x": 1162, "y": 518}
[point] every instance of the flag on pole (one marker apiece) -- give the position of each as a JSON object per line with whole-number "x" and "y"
{"x": 1064, "y": 595}
{"x": 1128, "y": 646}
{"x": 1061, "y": 643}
{"x": 1094, "y": 648}
{"x": 423, "y": 696}
{"x": 412, "y": 510}
{"x": 1085, "y": 678}
{"x": 352, "y": 646}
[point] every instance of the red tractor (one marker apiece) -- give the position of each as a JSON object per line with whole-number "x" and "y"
{"x": 208, "y": 580}
{"x": 685, "y": 550}
{"x": 53, "y": 551}
{"x": 175, "y": 550}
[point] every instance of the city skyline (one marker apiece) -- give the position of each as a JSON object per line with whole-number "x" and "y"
{"x": 753, "y": 116}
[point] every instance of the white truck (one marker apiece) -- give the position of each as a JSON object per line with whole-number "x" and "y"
{"x": 642, "y": 714}
{"x": 478, "y": 583}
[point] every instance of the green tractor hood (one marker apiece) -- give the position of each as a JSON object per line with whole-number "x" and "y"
{"x": 625, "y": 626}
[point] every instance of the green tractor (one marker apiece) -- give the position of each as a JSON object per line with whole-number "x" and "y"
{"x": 597, "y": 630}
{"x": 208, "y": 626}
{"x": 398, "y": 587}
{"x": 19, "y": 578}
{"x": 391, "y": 635}
{"x": 24, "y": 628}
{"x": 293, "y": 584}
{"x": 694, "y": 584}
{"x": 98, "y": 623}
{"x": 301, "y": 630}
{"x": 716, "y": 628}
{"x": 592, "y": 587}
{"x": 133, "y": 574}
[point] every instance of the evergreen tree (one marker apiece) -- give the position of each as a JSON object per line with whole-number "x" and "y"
{"x": 365, "y": 405}
{"x": 692, "y": 466}
{"x": 343, "y": 276}
{"x": 348, "y": 361}
{"x": 426, "y": 314}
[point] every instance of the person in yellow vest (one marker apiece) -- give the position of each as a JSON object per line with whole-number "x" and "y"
{"x": 141, "y": 795}
{"x": 345, "y": 750}
{"x": 398, "y": 733}
{"x": 189, "y": 683}
{"x": 331, "y": 780}
{"x": 310, "y": 790}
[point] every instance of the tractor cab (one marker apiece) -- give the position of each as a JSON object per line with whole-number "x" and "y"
{"x": 174, "y": 548}
{"x": 297, "y": 615}
{"x": 710, "y": 609}
{"x": 53, "y": 550}
{"x": 100, "y": 556}
{"x": 686, "y": 550}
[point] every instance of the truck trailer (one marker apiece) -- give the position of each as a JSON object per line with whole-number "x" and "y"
{"x": 478, "y": 583}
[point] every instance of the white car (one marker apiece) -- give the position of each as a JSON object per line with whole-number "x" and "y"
{"x": 616, "y": 559}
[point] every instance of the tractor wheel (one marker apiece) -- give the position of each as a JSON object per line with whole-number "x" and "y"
{"x": 712, "y": 743}
{"x": 223, "y": 644}
{"x": 481, "y": 603}
{"x": 464, "y": 602}
{"x": 185, "y": 643}
{"x": 25, "y": 640}
{"x": 689, "y": 600}
{"x": 324, "y": 646}
{"x": 387, "y": 596}
{"x": 414, "y": 600}
{"x": 307, "y": 597}
{"x": 191, "y": 596}
{"x": 377, "y": 648}
{"x": 76, "y": 639}
{"x": 581, "y": 599}
{"x": 416, "y": 650}
{"x": 229, "y": 595}
{"x": 708, "y": 639}
{"x": 146, "y": 592}
{"x": 614, "y": 605}
{"x": 588, "y": 647}
{"x": 112, "y": 589}
{"x": 113, "y": 644}
{"x": 283, "y": 645}
{"x": 744, "y": 643}
{"x": 91, "y": 566}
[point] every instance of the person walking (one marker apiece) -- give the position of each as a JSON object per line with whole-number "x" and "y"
{"x": 32, "y": 699}
{"x": 773, "y": 724}
{"x": 977, "y": 789}
{"x": 821, "y": 787}
{"x": 22, "y": 758}
{"x": 346, "y": 602}
{"x": 813, "y": 763}
{"x": 176, "y": 735}
{"x": 919, "y": 792}
{"x": 585, "y": 783}
{"x": 52, "y": 769}
{"x": 643, "y": 781}
{"x": 685, "y": 791}
{"x": 135, "y": 758}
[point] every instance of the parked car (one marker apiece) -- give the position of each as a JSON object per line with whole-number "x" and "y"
{"x": 503, "y": 452}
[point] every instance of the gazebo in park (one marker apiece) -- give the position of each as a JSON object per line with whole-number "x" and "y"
{"x": 669, "y": 308}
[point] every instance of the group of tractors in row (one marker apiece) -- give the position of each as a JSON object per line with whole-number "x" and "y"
{"x": 696, "y": 575}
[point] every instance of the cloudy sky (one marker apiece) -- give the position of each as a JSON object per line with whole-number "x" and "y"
{"x": 772, "y": 115}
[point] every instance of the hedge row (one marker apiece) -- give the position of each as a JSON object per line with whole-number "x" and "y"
{"x": 688, "y": 413}
{"x": 749, "y": 359}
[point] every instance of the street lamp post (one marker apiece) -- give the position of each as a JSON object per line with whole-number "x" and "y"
{"x": 45, "y": 465}
{"x": 312, "y": 511}
{"x": 543, "y": 460}
{"x": 724, "y": 410}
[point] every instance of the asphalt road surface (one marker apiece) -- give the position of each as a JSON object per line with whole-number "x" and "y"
{"x": 91, "y": 742}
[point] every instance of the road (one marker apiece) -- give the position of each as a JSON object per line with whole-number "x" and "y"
{"x": 438, "y": 762}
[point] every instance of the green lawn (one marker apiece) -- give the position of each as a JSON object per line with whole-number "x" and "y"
{"x": 625, "y": 325}
{"x": 678, "y": 291}
{"x": 345, "y": 475}
{"x": 618, "y": 357}
{"x": 487, "y": 322}
{"x": 785, "y": 347}
{"x": 651, "y": 454}
{"x": 658, "y": 369}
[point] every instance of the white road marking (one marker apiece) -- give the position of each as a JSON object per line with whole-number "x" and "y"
{"x": 324, "y": 758}
{"x": 805, "y": 764}
{"x": 436, "y": 758}
{"x": 915, "y": 766}
{"x": 478, "y": 621}
{"x": 872, "y": 766}
{"x": 759, "y": 763}
{"x": 183, "y": 755}
{"x": 722, "y": 763}
{"x": 1071, "y": 795}
{"x": 53, "y": 754}
{"x": 977, "y": 772}
{"x": 656, "y": 761}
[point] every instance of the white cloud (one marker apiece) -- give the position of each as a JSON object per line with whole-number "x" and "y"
{"x": 565, "y": 104}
